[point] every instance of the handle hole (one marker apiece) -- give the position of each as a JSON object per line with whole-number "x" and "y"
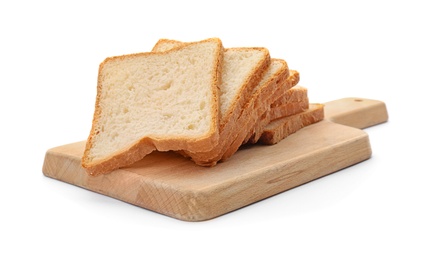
{"x": 358, "y": 100}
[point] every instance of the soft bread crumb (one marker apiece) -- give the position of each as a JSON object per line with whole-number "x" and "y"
{"x": 169, "y": 99}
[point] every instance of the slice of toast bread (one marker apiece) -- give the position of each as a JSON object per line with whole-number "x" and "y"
{"x": 144, "y": 103}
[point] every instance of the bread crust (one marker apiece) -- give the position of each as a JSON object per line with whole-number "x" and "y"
{"x": 284, "y": 127}
{"x": 294, "y": 94}
{"x": 246, "y": 91}
{"x": 262, "y": 119}
{"x": 146, "y": 145}
{"x": 259, "y": 125}
{"x": 247, "y": 119}
{"x": 230, "y": 122}
{"x": 250, "y": 113}
{"x": 230, "y": 119}
{"x": 293, "y": 101}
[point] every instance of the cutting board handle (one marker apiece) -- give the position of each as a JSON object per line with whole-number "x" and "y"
{"x": 356, "y": 112}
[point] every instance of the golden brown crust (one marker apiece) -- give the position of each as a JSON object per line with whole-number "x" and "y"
{"x": 231, "y": 122}
{"x": 240, "y": 118}
{"x": 250, "y": 113}
{"x": 247, "y": 121}
{"x": 161, "y": 41}
{"x": 263, "y": 119}
{"x": 288, "y": 109}
{"x": 294, "y": 94}
{"x": 146, "y": 145}
{"x": 284, "y": 127}
{"x": 258, "y": 127}
{"x": 121, "y": 159}
{"x": 246, "y": 90}
{"x": 228, "y": 121}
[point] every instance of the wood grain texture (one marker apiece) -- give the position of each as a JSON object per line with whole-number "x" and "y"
{"x": 171, "y": 185}
{"x": 356, "y": 112}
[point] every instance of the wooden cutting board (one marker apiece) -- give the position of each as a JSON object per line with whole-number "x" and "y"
{"x": 172, "y": 185}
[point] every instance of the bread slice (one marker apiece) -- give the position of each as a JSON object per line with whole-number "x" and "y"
{"x": 283, "y": 127}
{"x": 259, "y": 121}
{"x": 293, "y": 101}
{"x": 244, "y": 71}
{"x": 155, "y": 101}
{"x": 264, "y": 119}
{"x": 294, "y": 94}
{"x": 272, "y": 80}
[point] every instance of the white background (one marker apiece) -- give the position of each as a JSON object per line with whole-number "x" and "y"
{"x": 49, "y": 57}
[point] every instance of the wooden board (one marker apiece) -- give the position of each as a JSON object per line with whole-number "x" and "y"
{"x": 172, "y": 185}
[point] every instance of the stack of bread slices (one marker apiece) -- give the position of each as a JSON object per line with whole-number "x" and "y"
{"x": 198, "y": 99}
